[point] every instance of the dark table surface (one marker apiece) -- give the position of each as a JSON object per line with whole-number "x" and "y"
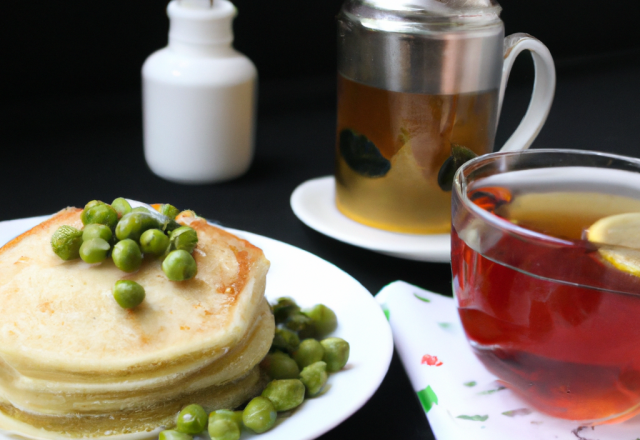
{"x": 65, "y": 151}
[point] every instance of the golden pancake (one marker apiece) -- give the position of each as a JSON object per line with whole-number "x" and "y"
{"x": 74, "y": 363}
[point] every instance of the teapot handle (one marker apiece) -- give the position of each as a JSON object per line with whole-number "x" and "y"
{"x": 543, "y": 88}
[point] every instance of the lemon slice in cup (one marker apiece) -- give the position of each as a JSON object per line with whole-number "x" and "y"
{"x": 619, "y": 230}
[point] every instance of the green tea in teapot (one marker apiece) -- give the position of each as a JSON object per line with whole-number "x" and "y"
{"x": 391, "y": 147}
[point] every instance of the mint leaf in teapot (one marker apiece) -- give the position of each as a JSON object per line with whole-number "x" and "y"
{"x": 459, "y": 156}
{"x": 362, "y": 155}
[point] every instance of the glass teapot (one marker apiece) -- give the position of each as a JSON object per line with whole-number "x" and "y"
{"x": 418, "y": 79}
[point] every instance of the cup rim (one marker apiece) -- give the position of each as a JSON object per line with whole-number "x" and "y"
{"x": 459, "y": 186}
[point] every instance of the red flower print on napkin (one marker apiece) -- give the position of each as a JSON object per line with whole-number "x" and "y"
{"x": 431, "y": 360}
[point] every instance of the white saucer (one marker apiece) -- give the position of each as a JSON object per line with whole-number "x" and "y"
{"x": 313, "y": 203}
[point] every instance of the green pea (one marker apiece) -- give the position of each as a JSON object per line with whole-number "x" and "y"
{"x": 235, "y": 416}
{"x": 164, "y": 223}
{"x": 301, "y": 324}
{"x": 179, "y": 266}
{"x": 279, "y": 365}
{"x": 121, "y": 206}
{"x": 310, "y": 351}
{"x": 170, "y": 225}
{"x": 132, "y": 225}
{"x": 324, "y": 319}
{"x": 283, "y": 308}
{"x": 171, "y": 434}
{"x": 184, "y": 238}
{"x": 169, "y": 210}
{"x": 128, "y": 294}
{"x": 93, "y": 203}
{"x": 192, "y": 420}
{"x": 154, "y": 242}
{"x": 224, "y": 429}
{"x": 129, "y": 227}
{"x": 126, "y": 255}
{"x": 102, "y": 214}
{"x": 285, "y": 394}
{"x": 336, "y": 353}
{"x": 259, "y": 415}
{"x": 140, "y": 209}
{"x": 96, "y": 230}
{"x": 66, "y": 242}
{"x": 94, "y": 250}
{"x": 314, "y": 377}
{"x": 85, "y": 211}
{"x": 285, "y": 340}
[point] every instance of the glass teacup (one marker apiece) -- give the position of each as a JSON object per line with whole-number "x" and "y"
{"x": 546, "y": 274}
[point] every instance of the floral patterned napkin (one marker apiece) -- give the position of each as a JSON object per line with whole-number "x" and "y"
{"x": 461, "y": 399}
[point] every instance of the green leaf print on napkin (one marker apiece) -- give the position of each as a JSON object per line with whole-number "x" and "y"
{"x": 492, "y": 391}
{"x": 421, "y": 298}
{"x": 428, "y": 398}
{"x": 445, "y": 325}
{"x": 474, "y": 418}
{"x": 473, "y": 383}
{"x": 386, "y": 311}
{"x": 517, "y": 412}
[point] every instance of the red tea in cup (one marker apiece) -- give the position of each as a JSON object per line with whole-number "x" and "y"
{"x": 548, "y": 298}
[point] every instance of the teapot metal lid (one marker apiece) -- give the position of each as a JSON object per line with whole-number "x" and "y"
{"x": 422, "y": 46}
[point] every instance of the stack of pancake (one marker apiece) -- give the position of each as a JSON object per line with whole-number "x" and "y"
{"x": 73, "y": 363}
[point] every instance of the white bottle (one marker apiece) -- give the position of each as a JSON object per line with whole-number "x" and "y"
{"x": 199, "y": 97}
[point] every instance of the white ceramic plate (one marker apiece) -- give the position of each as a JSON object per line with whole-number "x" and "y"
{"x": 313, "y": 203}
{"x": 311, "y": 280}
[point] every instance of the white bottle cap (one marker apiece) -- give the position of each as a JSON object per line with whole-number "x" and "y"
{"x": 208, "y": 26}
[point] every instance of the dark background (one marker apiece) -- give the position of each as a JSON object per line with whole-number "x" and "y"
{"x": 80, "y": 47}
{"x": 70, "y": 125}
